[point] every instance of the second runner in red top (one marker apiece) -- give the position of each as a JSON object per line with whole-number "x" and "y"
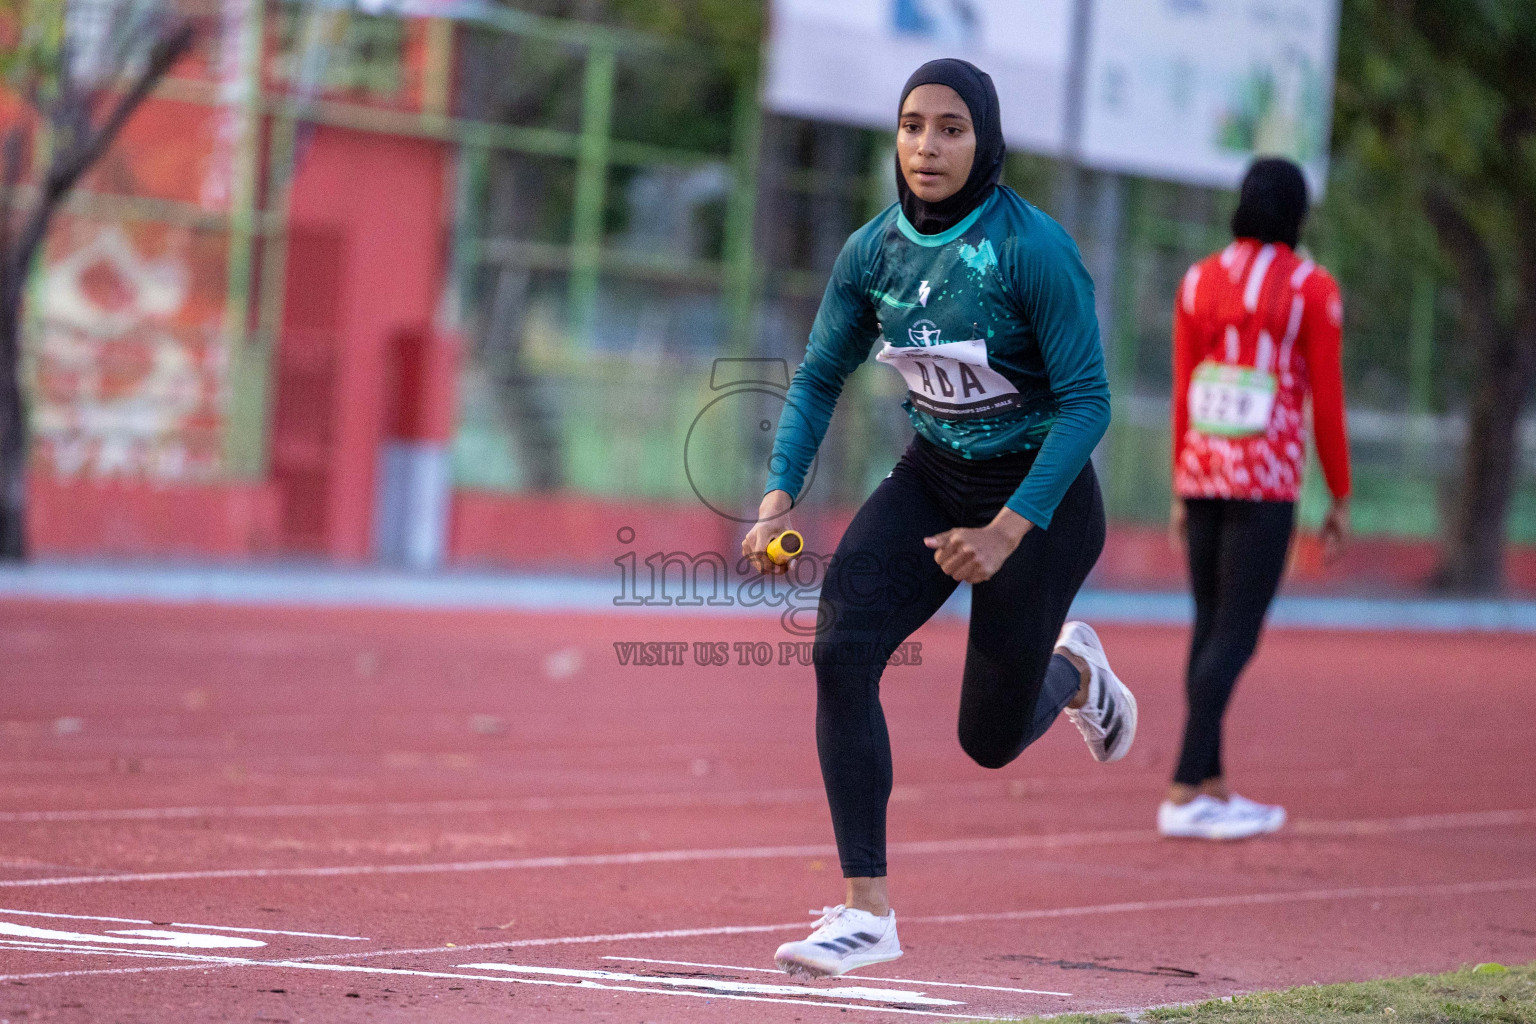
{"x": 1256, "y": 333}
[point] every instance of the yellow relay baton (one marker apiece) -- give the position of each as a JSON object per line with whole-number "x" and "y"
{"x": 785, "y": 546}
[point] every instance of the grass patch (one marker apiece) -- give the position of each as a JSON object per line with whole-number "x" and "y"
{"x": 1482, "y": 995}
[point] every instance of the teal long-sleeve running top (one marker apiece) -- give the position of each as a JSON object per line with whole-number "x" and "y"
{"x": 991, "y": 324}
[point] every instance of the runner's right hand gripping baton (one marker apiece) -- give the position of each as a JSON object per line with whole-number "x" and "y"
{"x": 785, "y": 546}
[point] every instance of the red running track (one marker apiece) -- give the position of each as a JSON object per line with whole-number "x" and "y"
{"x": 288, "y": 815}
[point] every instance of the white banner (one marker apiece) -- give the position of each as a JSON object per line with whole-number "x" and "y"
{"x": 1193, "y": 89}
{"x": 846, "y": 60}
{"x": 1189, "y": 90}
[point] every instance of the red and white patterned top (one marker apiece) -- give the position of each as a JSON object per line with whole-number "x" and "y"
{"x": 1261, "y": 306}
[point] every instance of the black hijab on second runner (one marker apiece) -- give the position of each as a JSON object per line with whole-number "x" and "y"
{"x": 1273, "y": 202}
{"x": 976, "y": 89}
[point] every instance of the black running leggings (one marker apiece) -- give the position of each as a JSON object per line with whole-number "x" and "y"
{"x": 1237, "y": 555}
{"x": 883, "y": 583}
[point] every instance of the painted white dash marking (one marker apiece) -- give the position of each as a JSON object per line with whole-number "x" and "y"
{"x": 878, "y": 995}
{"x": 40, "y": 946}
{"x": 133, "y": 937}
{"x": 203, "y": 962}
{"x": 182, "y": 924}
{"x": 864, "y": 977}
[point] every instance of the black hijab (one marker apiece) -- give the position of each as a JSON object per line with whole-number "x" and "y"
{"x": 976, "y": 89}
{"x": 1272, "y": 204}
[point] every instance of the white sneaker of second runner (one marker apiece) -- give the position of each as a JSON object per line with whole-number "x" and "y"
{"x": 1273, "y": 814}
{"x": 1206, "y": 817}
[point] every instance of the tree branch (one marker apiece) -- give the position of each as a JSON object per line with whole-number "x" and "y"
{"x": 1475, "y": 269}
{"x": 164, "y": 54}
{"x": 1525, "y": 312}
{"x": 79, "y": 153}
{"x": 13, "y": 159}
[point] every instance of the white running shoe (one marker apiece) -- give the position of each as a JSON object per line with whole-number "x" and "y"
{"x": 843, "y": 940}
{"x": 1274, "y": 814}
{"x": 1108, "y": 720}
{"x": 1206, "y": 817}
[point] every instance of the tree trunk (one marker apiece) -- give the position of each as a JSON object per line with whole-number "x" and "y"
{"x": 13, "y": 418}
{"x": 86, "y": 142}
{"x": 1472, "y": 559}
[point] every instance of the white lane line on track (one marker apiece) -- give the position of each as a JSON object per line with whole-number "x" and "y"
{"x": 636, "y": 801}
{"x": 183, "y": 924}
{"x": 979, "y": 845}
{"x": 1417, "y": 823}
{"x": 1003, "y": 789}
{"x": 1011, "y": 789}
{"x": 862, "y": 977}
{"x": 205, "y": 962}
{"x": 1199, "y": 902}
{"x": 1413, "y": 823}
{"x": 1189, "y": 903}
{"x": 1249, "y": 899}
{"x": 874, "y": 995}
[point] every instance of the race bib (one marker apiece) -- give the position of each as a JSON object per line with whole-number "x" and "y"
{"x": 1231, "y": 401}
{"x": 951, "y": 380}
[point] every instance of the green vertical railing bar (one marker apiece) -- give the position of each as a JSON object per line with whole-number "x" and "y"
{"x": 245, "y": 423}
{"x": 1127, "y": 459}
{"x": 591, "y": 188}
{"x": 437, "y": 76}
{"x": 1122, "y": 340}
{"x": 472, "y": 168}
{"x": 740, "y": 254}
{"x": 271, "y": 284}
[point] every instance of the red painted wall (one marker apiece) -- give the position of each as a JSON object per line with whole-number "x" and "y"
{"x": 572, "y": 533}
{"x": 381, "y": 199}
{"x": 133, "y": 519}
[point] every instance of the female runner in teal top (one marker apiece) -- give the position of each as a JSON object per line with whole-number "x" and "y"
{"x": 982, "y": 303}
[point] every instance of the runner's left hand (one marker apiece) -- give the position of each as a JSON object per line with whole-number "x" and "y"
{"x": 1335, "y": 531}
{"x": 975, "y": 555}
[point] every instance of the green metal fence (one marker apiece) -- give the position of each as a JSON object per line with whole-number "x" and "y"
{"x": 626, "y": 214}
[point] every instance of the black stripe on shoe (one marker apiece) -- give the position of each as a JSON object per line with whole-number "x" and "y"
{"x": 1108, "y": 722}
{"x": 1103, "y": 689}
{"x": 834, "y": 948}
{"x": 871, "y": 939}
{"x": 849, "y": 943}
{"x": 1111, "y": 736}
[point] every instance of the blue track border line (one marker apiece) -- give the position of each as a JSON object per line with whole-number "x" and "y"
{"x": 325, "y": 586}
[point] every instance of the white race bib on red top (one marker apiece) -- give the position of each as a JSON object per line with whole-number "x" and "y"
{"x": 1231, "y": 401}
{"x": 952, "y": 380}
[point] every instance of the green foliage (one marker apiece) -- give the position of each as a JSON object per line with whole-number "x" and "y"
{"x": 733, "y": 26}
{"x": 1437, "y": 104}
{"x": 1417, "y": 110}
{"x": 731, "y": 29}
{"x": 1438, "y": 97}
{"x": 31, "y": 32}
